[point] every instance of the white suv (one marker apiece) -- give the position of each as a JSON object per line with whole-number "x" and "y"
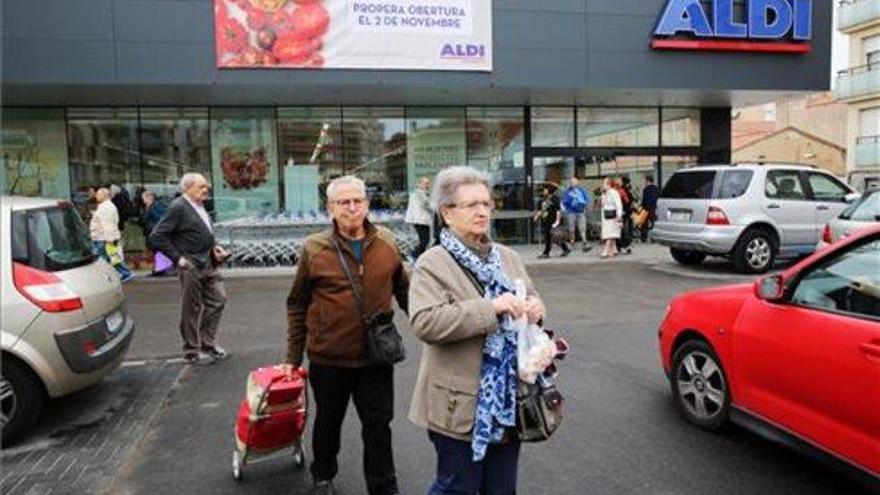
{"x": 63, "y": 324}
{"x": 751, "y": 213}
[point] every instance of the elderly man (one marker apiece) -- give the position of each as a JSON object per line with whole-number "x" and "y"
{"x": 185, "y": 234}
{"x": 323, "y": 320}
{"x": 105, "y": 234}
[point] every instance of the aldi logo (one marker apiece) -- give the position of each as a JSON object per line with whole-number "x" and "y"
{"x": 770, "y": 26}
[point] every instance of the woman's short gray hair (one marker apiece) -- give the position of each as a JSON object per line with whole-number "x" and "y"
{"x": 188, "y": 180}
{"x": 344, "y": 180}
{"x": 450, "y": 179}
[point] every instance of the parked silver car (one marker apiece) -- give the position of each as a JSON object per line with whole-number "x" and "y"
{"x": 63, "y": 324}
{"x": 751, "y": 213}
{"x": 865, "y": 211}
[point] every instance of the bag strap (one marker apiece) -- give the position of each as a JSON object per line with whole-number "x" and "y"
{"x": 469, "y": 274}
{"x": 355, "y": 286}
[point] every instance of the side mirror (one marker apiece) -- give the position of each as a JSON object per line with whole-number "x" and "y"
{"x": 770, "y": 288}
{"x": 849, "y": 198}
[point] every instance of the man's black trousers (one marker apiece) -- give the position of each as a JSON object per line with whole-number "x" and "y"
{"x": 372, "y": 390}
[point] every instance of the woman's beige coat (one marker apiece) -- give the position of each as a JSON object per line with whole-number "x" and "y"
{"x": 452, "y": 318}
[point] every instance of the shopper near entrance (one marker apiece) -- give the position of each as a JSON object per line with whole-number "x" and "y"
{"x": 577, "y": 204}
{"x": 461, "y": 307}
{"x": 186, "y": 235}
{"x": 550, "y": 216}
{"x": 105, "y": 234}
{"x": 650, "y": 194}
{"x": 627, "y": 198}
{"x": 324, "y": 322}
{"x": 420, "y": 215}
{"x": 612, "y": 218}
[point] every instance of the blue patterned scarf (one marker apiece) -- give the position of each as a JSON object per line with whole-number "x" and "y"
{"x": 496, "y": 399}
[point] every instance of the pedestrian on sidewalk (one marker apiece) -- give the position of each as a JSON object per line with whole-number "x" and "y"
{"x": 419, "y": 215}
{"x": 650, "y": 194}
{"x": 461, "y": 307}
{"x": 550, "y": 216}
{"x": 627, "y": 199}
{"x": 105, "y": 234}
{"x": 153, "y": 212}
{"x": 186, "y": 235}
{"x": 576, "y": 202}
{"x": 324, "y": 322}
{"x": 612, "y": 218}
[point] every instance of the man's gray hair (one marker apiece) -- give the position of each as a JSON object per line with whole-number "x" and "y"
{"x": 450, "y": 179}
{"x": 189, "y": 179}
{"x": 344, "y": 180}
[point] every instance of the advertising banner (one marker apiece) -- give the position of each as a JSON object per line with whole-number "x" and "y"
{"x": 454, "y": 35}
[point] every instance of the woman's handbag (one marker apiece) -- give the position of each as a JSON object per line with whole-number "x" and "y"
{"x": 559, "y": 235}
{"x": 539, "y": 411}
{"x": 382, "y": 342}
{"x": 609, "y": 214}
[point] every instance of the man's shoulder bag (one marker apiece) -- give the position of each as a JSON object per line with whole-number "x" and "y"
{"x": 382, "y": 342}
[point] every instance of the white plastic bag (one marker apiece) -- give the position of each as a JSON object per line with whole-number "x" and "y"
{"x": 534, "y": 349}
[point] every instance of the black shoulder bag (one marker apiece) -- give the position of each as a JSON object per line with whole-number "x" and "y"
{"x": 382, "y": 342}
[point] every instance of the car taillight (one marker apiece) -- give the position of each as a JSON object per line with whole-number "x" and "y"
{"x": 826, "y": 235}
{"x": 716, "y": 217}
{"x": 44, "y": 289}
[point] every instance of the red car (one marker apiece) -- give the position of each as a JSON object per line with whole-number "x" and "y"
{"x": 794, "y": 357}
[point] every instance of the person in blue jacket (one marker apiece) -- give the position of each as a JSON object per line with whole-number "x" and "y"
{"x": 576, "y": 202}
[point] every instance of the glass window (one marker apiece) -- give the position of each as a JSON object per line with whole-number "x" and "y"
{"x": 866, "y": 209}
{"x": 610, "y": 127}
{"x": 376, "y": 151}
{"x": 495, "y": 138}
{"x": 681, "y": 126}
{"x": 826, "y": 189}
{"x": 552, "y": 127}
{"x": 51, "y": 239}
{"x": 435, "y": 139}
{"x": 848, "y": 283}
{"x": 629, "y": 166}
{"x": 310, "y": 149}
{"x": 735, "y": 183}
{"x": 33, "y": 148}
{"x": 784, "y": 184}
{"x": 669, "y": 164}
{"x": 690, "y": 185}
{"x": 243, "y": 156}
{"x": 174, "y": 141}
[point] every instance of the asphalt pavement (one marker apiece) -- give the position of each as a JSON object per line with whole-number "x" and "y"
{"x": 621, "y": 435}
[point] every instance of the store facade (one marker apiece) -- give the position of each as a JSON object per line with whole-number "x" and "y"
{"x": 129, "y": 92}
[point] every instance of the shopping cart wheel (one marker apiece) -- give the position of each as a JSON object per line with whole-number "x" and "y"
{"x": 299, "y": 457}
{"x": 236, "y": 466}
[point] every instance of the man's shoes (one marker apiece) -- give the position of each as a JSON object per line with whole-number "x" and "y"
{"x": 324, "y": 487}
{"x": 564, "y": 254}
{"x": 543, "y": 256}
{"x": 127, "y": 278}
{"x": 217, "y": 353}
{"x": 587, "y": 249}
{"x": 198, "y": 359}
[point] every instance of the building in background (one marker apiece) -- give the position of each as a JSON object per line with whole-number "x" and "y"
{"x": 794, "y": 129}
{"x": 859, "y": 87}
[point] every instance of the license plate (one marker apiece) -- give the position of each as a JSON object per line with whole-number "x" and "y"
{"x": 114, "y": 322}
{"x": 679, "y": 216}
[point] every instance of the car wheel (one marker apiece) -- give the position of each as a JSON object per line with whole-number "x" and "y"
{"x": 755, "y": 252}
{"x": 21, "y": 399}
{"x": 699, "y": 385}
{"x": 686, "y": 257}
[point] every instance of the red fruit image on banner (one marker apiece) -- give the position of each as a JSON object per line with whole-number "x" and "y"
{"x": 293, "y": 48}
{"x": 231, "y": 37}
{"x": 244, "y": 170}
{"x": 311, "y": 20}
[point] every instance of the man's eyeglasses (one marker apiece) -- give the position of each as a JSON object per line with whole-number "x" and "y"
{"x": 473, "y": 205}
{"x": 348, "y": 203}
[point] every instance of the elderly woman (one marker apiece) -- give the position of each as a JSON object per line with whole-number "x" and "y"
{"x": 461, "y": 306}
{"x": 612, "y": 218}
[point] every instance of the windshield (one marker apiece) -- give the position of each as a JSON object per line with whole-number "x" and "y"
{"x": 865, "y": 209}
{"x": 50, "y": 239}
{"x": 690, "y": 185}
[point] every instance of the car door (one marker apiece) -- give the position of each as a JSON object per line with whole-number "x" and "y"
{"x": 811, "y": 364}
{"x": 828, "y": 196}
{"x": 787, "y": 204}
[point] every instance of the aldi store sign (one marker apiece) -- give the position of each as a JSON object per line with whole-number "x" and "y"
{"x": 773, "y": 26}
{"x": 354, "y": 34}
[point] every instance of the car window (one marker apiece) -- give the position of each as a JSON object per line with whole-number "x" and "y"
{"x": 784, "y": 184}
{"x": 867, "y": 209}
{"x": 825, "y": 188}
{"x": 848, "y": 283}
{"x": 690, "y": 185}
{"x": 50, "y": 239}
{"x": 735, "y": 183}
